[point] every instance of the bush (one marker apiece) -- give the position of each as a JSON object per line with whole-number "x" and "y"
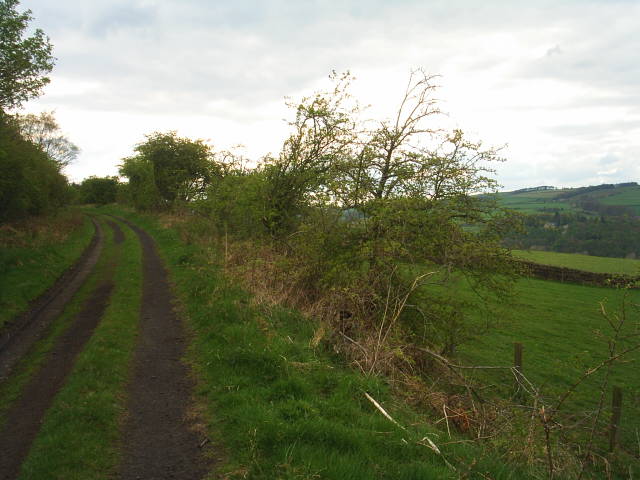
{"x": 98, "y": 190}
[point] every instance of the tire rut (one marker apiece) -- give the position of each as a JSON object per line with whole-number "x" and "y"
{"x": 25, "y": 416}
{"x": 18, "y": 337}
{"x": 158, "y": 440}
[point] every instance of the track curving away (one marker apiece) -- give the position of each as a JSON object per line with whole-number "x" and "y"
{"x": 24, "y": 418}
{"x": 158, "y": 438}
{"x": 18, "y": 337}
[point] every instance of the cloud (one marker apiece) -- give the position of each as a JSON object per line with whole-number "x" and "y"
{"x": 534, "y": 75}
{"x": 122, "y": 17}
{"x": 609, "y": 159}
{"x": 554, "y": 51}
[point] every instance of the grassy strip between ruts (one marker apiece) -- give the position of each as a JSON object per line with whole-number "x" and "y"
{"x": 285, "y": 409}
{"x": 27, "y": 271}
{"x": 79, "y": 438}
{"x": 12, "y": 387}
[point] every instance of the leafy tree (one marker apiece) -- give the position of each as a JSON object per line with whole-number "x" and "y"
{"x": 361, "y": 208}
{"x": 100, "y": 190}
{"x": 43, "y": 130}
{"x": 24, "y": 61}
{"x": 169, "y": 169}
{"x": 141, "y": 190}
{"x": 30, "y": 182}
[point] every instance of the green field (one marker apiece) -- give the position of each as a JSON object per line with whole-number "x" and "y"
{"x": 545, "y": 200}
{"x": 534, "y": 202}
{"x": 625, "y": 196}
{"x": 578, "y": 261}
{"x": 564, "y": 333}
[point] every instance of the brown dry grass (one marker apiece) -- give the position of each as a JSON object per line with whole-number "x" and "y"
{"x": 370, "y": 345}
{"x": 42, "y": 230}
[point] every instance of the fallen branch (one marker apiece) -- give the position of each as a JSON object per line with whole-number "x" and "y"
{"x": 383, "y": 411}
{"x": 429, "y": 443}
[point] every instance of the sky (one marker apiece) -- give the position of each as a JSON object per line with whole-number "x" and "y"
{"x": 556, "y": 81}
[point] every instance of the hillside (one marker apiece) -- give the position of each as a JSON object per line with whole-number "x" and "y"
{"x": 601, "y": 220}
{"x": 592, "y": 199}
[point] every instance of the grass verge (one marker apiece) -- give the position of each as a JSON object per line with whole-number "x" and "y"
{"x": 286, "y": 407}
{"x": 82, "y": 425}
{"x": 34, "y": 253}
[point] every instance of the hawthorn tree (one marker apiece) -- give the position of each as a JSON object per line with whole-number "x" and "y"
{"x": 385, "y": 199}
{"x": 25, "y": 61}
{"x": 323, "y": 132}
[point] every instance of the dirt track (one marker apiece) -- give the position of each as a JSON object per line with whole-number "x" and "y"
{"x": 25, "y": 416}
{"x": 24, "y": 331}
{"x": 158, "y": 441}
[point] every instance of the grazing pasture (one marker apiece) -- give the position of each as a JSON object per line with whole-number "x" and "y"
{"x": 588, "y": 263}
{"x": 564, "y": 333}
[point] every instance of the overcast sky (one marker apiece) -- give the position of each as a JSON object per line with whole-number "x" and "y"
{"x": 558, "y": 81}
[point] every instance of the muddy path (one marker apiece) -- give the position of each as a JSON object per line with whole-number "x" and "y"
{"x": 18, "y": 336}
{"x": 158, "y": 438}
{"x": 159, "y": 441}
{"x": 25, "y": 416}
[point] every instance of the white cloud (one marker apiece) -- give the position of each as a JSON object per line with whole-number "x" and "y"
{"x": 557, "y": 81}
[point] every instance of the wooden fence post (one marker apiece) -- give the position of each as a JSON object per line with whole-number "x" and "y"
{"x": 616, "y": 413}
{"x": 517, "y": 363}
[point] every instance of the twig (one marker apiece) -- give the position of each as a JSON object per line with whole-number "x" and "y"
{"x": 590, "y": 372}
{"x": 446, "y": 417}
{"x": 382, "y": 410}
{"x": 462, "y": 367}
{"x": 429, "y": 443}
{"x": 355, "y": 343}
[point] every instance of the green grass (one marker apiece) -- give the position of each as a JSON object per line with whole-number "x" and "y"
{"x": 283, "y": 409}
{"x": 624, "y": 196}
{"x": 581, "y": 262}
{"x": 79, "y": 438}
{"x": 564, "y": 334}
{"x": 533, "y": 202}
{"x": 537, "y": 202}
{"x": 30, "y": 264}
{"x": 11, "y": 388}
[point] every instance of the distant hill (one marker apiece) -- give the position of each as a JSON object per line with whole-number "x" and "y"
{"x": 605, "y": 199}
{"x": 601, "y": 220}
